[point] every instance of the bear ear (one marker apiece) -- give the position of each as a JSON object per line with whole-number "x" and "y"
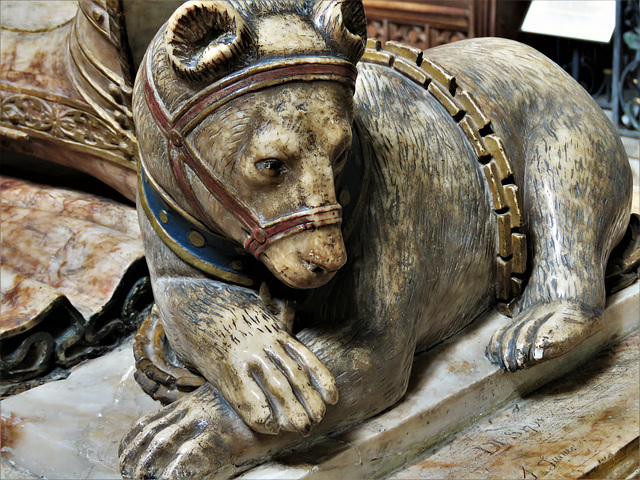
{"x": 345, "y": 22}
{"x": 204, "y": 39}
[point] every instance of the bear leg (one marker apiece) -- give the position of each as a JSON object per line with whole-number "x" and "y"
{"x": 577, "y": 194}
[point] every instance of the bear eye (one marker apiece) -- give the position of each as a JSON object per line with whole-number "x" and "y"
{"x": 271, "y": 167}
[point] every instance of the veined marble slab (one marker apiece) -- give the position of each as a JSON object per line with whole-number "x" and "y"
{"x": 71, "y": 428}
{"x": 593, "y": 432}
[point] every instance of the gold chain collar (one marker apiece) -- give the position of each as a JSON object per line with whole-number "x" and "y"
{"x": 511, "y": 256}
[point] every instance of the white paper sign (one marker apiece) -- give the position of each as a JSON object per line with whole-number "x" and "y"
{"x": 582, "y": 19}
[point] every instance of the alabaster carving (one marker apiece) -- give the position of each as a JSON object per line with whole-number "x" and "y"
{"x": 392, "y": 195}
{"x": 317, "y": 209}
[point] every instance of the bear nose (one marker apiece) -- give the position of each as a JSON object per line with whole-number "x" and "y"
{"x": 319, "y": 264}
{"x": 315, "y": 268}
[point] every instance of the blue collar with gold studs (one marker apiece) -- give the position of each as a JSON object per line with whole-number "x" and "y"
{"x": 215, "y": 255}
{"x": 192, "y": 241}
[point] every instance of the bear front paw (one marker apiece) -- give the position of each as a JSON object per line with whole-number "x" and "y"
{"x": 277, "y": 384}
{"x": 542, "y": 332}
{"x": 187, "y": 439}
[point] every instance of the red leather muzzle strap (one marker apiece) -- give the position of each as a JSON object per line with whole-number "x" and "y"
{"x": 176, "y": 127}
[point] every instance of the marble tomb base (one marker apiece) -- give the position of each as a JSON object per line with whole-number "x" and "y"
{"x": 71, "y": 428}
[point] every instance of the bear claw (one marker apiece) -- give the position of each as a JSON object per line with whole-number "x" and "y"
{"x": 542, "y": 332}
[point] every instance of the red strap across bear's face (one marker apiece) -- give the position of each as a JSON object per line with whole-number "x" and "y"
{"x": 188, "y": 116}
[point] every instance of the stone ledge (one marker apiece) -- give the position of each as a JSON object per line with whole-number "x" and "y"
{"x": 452, "y": 386}
{"x": 592, "y": 432}
{"x": 71, "y": 428}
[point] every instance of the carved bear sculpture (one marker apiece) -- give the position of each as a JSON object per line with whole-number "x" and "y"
{"x": 406, "y": 191}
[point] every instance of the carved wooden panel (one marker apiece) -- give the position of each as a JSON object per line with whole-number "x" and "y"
{"x": 428, "y": 23}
